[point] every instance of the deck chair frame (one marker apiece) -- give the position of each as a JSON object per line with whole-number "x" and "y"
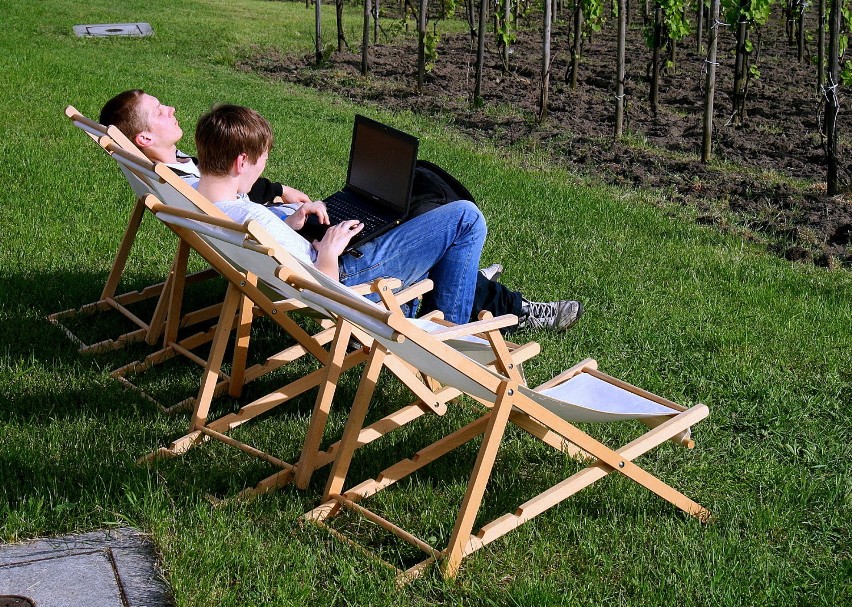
{"x": 235, "y": 313}
{"x": 168, "y": 316}
{"x": 510, "y": 401}
{"x": 149, "y": 331}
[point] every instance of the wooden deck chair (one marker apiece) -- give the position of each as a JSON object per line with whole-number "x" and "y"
{"x": 162, "y": 181}
{"x": 148, "y": 330}
{"x": 252, "y": 262}
{"x": 170, "y": 291}
{"x": 549, "y": 411}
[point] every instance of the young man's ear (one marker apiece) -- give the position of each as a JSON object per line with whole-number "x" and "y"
{"x": 143, "y": 140}
{"x": 240, "y": 163}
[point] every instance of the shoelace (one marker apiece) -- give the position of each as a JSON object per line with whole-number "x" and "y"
{"x": 541, "y": 310}
{"x": 539, "y": 315}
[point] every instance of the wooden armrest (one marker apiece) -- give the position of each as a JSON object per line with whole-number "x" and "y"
{"x": 414, "y": 291}
{"x": 580, "y": 367}
{"x": 390, "y": 283}
{"x": 403, "y": 296}
{"x": 363, "y": 289}
{"x": 479, "y": 326}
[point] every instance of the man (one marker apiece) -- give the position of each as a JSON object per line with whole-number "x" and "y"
{"x": 156, "y": 131}
{"x": 153, "y": 127}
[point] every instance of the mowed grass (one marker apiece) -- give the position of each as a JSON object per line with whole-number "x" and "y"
{"x": 675, "y": 308}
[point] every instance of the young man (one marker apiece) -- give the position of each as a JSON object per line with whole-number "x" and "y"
{"x": 233, "y": 145}
{"x": 154, "y": 128}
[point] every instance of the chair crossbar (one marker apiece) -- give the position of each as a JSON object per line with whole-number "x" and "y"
{"x": 326, "y": 298}
{"x": 225, "y": 235}
{"x": 477, "y": 328}
{"x": 248, "y": 449}
{"x": 387, "y": 525}
{"x": 360, "y": 548}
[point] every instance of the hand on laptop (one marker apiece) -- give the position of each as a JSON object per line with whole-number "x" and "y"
{"x": 337, "y": 238}
{"x": 298, "y": 218}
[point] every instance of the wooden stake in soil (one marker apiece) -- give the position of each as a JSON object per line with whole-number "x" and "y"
{"x": 545, "y": 61}
{"x": 710, "y": 86}
{"x": 365, "y": 40}
{"x": 318, "y": 33}
{"x": 620, "y": 69}
{"x": 655, "y": 65}
{"x": 480, "y": 52}
{"x": 830, "y": 92}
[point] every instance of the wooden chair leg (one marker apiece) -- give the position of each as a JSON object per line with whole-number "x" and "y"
{"x": 169, "y": 305}
{"x": 349, "y": 441}
{"x": 479, "y": 478}
{"x": 124, "y": 250}
{"x": 241, "y": 344}
{"x": 214, "y": 361}
{"x": 319, "y": 417}
{"x": 612, "y": 459}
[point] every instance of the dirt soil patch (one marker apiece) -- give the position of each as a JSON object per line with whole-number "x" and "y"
{"x": 767, "y": 180}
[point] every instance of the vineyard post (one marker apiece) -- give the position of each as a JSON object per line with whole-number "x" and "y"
{"x": 365, "y": 40}
{"x": 577, "y": 43}
{"x": 699, "y": 34}
{"x": 673, "y": 39}
{"x": 341, "y": 37}
{"x": 421, "y": 45}
{"x": 830, "y": 92}
{"x": 801, "y": 33}
{"x": 480, "y": 52}
{"x": 655, "y": 64}
{"x": 620, "y": 71}
{"x": 821, "y": 45}
{"x": 789, "y": 7}
{"x": 375, "y": 21}
{"x": 318, "y": 32}
{"x": 507, "y": 27}
{"x": 710, "y": 84}
{"x": 740, "y": 62}
{"x": 545, "y": 60}
{"x": 673, "y": 55}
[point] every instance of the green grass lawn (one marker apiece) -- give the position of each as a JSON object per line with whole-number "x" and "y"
{"x": 676, "y": 308}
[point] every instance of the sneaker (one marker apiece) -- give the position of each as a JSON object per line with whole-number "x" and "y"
{"x": 492, "y": 272}
{"x": 552, "y": 315}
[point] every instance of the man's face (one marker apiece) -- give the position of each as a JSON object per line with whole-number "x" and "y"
{"x": 162, "y": 126}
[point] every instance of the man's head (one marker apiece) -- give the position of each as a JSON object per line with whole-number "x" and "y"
{"x": 230, "y": 133}
{"x": 148, "y": 123}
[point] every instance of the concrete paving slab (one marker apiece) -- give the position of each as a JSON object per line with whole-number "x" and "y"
{"x": 112, "y": 568}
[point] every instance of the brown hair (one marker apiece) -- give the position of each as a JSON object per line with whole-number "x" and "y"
{"x": 122, "y": 111}
{"x": 227, "y": 131}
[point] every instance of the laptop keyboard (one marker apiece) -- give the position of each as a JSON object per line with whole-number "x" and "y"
{"x": 340, "y": 209}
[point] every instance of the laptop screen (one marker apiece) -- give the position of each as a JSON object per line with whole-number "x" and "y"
{"x": 381, "y": 163}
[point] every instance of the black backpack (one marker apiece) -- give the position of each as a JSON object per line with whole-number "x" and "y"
{"x": 433, "y": 187}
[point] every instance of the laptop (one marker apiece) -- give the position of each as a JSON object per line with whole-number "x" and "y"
{"x": 378, "y": 183}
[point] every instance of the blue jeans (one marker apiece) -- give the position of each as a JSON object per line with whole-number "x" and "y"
{"x": 443, "y": 245}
